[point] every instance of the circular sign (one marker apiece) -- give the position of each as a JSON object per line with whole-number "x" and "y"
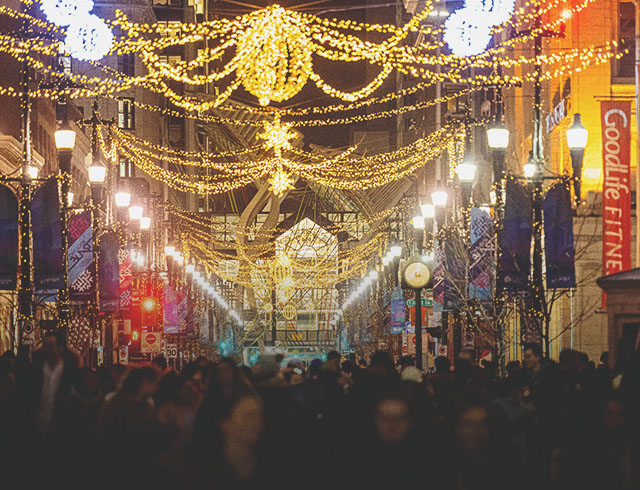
{"x": 151, "y": 338}
{"x": 28, "y": 327}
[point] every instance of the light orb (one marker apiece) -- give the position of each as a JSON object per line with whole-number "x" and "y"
{"x": 89, "y": 38}
{"x": 64, "y": 12}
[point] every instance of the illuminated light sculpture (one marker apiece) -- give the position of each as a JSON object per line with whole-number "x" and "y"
{"x": 280, "y": 182}
{"x": 89, "y": 38}
{"x": 465, "y": 34}
{"x": 282, "y": 57}
{"x": 468, "y": 30}
{"x": 65, "y": 12}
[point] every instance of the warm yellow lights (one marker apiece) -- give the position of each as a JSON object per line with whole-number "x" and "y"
{"x": 280, "y": 182}
{"x": 279, "y": 51}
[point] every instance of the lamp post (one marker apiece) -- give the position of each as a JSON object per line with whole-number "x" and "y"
{"x": 65, "y": 139}
{"x": 97, "y": 175}
{"x": 577, "y": 136}
{"x": 498, "y": 140}
{"x": 466, "y": 172}
{"x": 439, "y": 198}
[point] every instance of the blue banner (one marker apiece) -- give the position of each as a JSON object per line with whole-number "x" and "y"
{"x": 47, "y": 239}
{"x": 81, "y": 275}
{"x": 109, "y": 273}
{"x": 8, "y": 239}
{"x": 558, "y": 238}
{"x": 514, "y": 259}
{"x": 481, "y": 255}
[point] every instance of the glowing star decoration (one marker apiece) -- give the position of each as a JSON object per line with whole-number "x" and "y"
{"x": 65, "y": 12}
{"x": 280, "y": 182}
{"x": 464, "y": 35}
{"x": 281, "y": 56}
{"x": 277, "y": 136}
{"x": 89, "y": 38}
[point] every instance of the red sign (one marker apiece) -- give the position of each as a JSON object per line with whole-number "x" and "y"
{"x": 151, "y": 342}
{"x": 616, "y": 193}
{"x": 412, "y": 316}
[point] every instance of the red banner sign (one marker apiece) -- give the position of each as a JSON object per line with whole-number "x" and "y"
{"x": 616, "y": 193}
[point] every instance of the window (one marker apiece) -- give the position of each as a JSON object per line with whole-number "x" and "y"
{"x": 127, "y": 169}
{"x": 172, "y": 60}
{"x": 126, "y": 115}
{"x": 625, "y": 66}
{"x": 126, "y": 64}
{"x": 171, "y": 28}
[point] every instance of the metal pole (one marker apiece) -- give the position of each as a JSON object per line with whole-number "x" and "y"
{"x": 537, "y": 280}
{"x": 64, "y": 168}
{"x": 24, "y": 291}
{"x": 418, "y": 310}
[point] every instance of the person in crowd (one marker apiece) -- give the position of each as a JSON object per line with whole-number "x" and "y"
{"x": 468, "y": 355}
{"x": 47, "y": 380}
{"x": 221, "y": 425}
{"x": 160, "y": 366}
{"x": 128, "y": 428}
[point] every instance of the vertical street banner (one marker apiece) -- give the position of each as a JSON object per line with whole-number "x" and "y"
{"x": 558, "y": 237}
{"x": 454, "y": 270}
{"x": 182, "y": 311}
{"x": 616, "y": 192}
{"x": 481, "y": 255}
{"x": 109, "y": 273}
{"x": 514, "y": 260}
{"x": 126, "y": 278}
{"x": 46, "y": 228}
{"x": 80, "y": 255}
{"x": 205, "y": 334}
{"x": 8, "y": 239}
{"x": 397, "y": 311}
{"x": 170, "y": 308}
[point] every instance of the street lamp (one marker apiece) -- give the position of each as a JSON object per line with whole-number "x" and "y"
{"x": 97, "y": 173}
{"x": 466, "y": 175}
{"x": 529, "y": 170}
{"x": 65, "y": 139}
{"x": 418, "y": 222}
{"x": 32, "y": 172}
{"x": 439, "y": 199}
{"x": 498, "y": 139}
{"x": 145, "y": 223}
{"x": 577, "y": 136}
{"x": 123, "y": 199}
{"x": 135, "y": 212}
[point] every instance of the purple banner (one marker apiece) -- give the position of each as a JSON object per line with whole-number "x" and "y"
{"x": 558, "y": 238}
{"x": 47, "y": 239}
{"x": 126, "y": 278}
{"x": 8, "y": 239}
{"x": 109, "y": 273}
{"x": 170, "y": 307}
{"x": 515, "y": 239}
{"x": 397, "y": 311}
{"x": 81, "y": 276}
{"x": 481, "y": 255}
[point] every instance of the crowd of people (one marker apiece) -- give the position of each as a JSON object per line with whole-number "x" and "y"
{"x": 339, "y": 423}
